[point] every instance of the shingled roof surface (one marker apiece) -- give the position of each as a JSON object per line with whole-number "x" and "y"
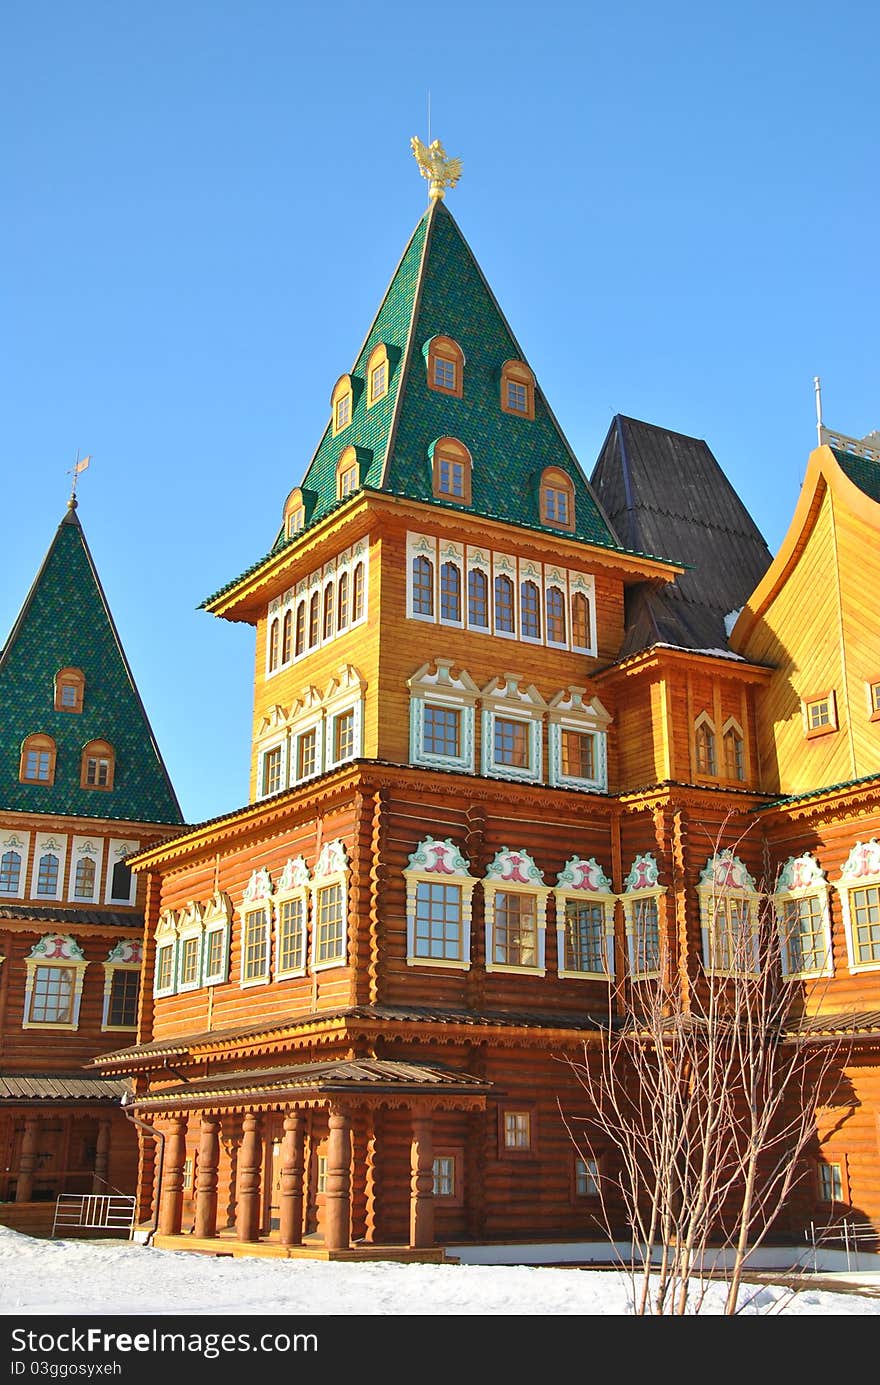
{"x": 65, "y": 622}
{"x": 861, "y": 471}
{"x": 665, "y": 493}
{"x": 438, "y": 288}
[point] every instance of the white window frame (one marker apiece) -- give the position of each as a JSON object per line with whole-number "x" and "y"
{"x": 436, "y": 862}
{"x": 126, "y": 956}
{"x": 345, "y": 693}
{"x": 515, "y": 872}
{"x": 435, "y": 683}
{"x": 557, "y": 578}
{"x": 422, "y": 546}
{"x": 860, "y": 870}
{"x": 54, "y": 951}
{"x": 257, "y": 896}
{"x": 568, "y": 711}
{"x": 49, "y": 844}
{"x": 642, "y": 885}
{"x": 314, "y": 722}
{"x": 452, "y": 553}
{"x": 216, "y": 918}
{"x": 585, "y": 881}
{"x": 583, "y": 584}
{"x": 85, "y": 848}
{"x": 724, "y": 880}
{"x": 279, "y": 743}
{"x": 165, "y": 937}
{"x": 332, "y": 868}
{"x": 20, "y": 844}
{"x": 189, "y": 929}
{"x": 531, "y": 572}
{"x": 504, "y": 698}
{"x": 118, "y": 848}
{"x": 802, "y": 878}
{"x": 293, "y": 886}
{"x": 478, "y": 561}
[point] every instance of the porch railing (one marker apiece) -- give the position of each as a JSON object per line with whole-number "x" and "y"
{"x": 93, "y": 1211}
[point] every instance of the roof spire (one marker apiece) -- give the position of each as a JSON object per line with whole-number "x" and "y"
{"x": 79, "y": 465}
{"x": 441, "y": 172}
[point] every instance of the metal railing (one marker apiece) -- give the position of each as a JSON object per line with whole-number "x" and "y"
{"x": 848, "y": 1233}
{"x": 94, "y": 1211}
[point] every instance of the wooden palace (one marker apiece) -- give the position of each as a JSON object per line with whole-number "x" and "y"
{"x": 509, "y": 727}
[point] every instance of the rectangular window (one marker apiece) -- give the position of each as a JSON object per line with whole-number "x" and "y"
{"x": 515, "y": 932}
{"x": 188, "y": 1166}
{"x": 10, "y": 872}
{"x": 272, "y": 770}
{"x": 444, "y": 1175}
{"x": 530, "y": 605}
{"x": 120, "y": 883}
{"x": 331, "y": 925}
{"x": 803, "y": 929}
{"x": 47, "y": 875}
{"x": 343, "y": 737}
{"x": 555, "y": 504}
{"x": 321, "y": 1174}
{"x": 52, "y": 996}
{"x": 123, "y": 1007}
{"x": 164, "y": 967}
{"x": 255, "y": 946}
{"x": 343, "y": 411}
{"x": 450, "y": 592}
{"x": 441, "y": 730}
{"x": 68, "y": 694}
{"x": 516, "y": 397}
{"x": 97, "y": 772}
{"x": 584, "y": 935}
{"x": 864, "y": 908}
{"x": 830, "y": 1183}
{"x": 578, "y": 756}
{"x": 517, "y": 1130}
{"x": 478, "y": 599}
{"x": 733, "y": 938}
{"x": 504, "y": 605}
{"x": 377, "y": 381}
{"x": 214, "y": 954}
{"x": 820, "y": 714}
{"x": 36, "y": 765}
{"x": 307, "y": 754}
{"x": 189, "y": 961}
{"x": 444, "y": 373}
{"x": 291, "y": 934}
{"x": 511, "y": 743}
{"x": 438, "y": 921}
{"x": 347, "y": 481}
{"x": 646, "y": 939}
{"x": 586, "y": 1177}
{"x": 451, "y": 479}
{"x": 874, "y": 697}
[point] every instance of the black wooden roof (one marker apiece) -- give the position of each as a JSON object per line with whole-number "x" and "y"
{"x": 665, "y": 494}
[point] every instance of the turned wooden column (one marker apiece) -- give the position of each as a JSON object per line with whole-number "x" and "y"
{"x": 171, "y": 1193}
{"x": 337, "y": 1197}
{"x": 27, "y": 1161}
{"x": 421, "y": 1201}
{"x": 102, "y": 1157}
{"x": 247, "y": 1186}
{"x": 291, "y": 1220}
{"x": 206, "y": 1189}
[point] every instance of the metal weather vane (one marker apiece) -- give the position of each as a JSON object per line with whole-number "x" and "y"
{"x": 441, "y": 172}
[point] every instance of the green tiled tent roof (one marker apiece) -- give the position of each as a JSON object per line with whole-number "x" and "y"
{"x": 438, "y": 288}
{"x": 66, "y": 622}
{"x": 861, "y": 471}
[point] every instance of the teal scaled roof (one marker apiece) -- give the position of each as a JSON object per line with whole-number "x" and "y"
{"x": 65, "y": 622}
{"x": 438, "y": 288}
{"x": 861, "y": 471}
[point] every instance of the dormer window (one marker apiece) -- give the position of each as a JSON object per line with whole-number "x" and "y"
{"x": 37, "y": 764}
{"x": 557, "y": 499}
{"x": 517, "y": 389}
{"x": 69, "y": 688}
{"x": 98, "y": 765}
{"x": 294, "y": 513}
{"x": 445, "y": 363}
{"x": 451, "y": 470}
{"x": 347, "y": 479}
{"x": 377, "y": 375}
{"x": 341, "y": 402}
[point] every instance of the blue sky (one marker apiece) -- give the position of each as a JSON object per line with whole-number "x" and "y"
{"x": 676, "y": 206}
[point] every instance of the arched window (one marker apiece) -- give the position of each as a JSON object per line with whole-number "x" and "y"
{"x": 69, "y": 689}
{"x": 423, "y": 586}
{"x": 704, "y": 743}
{"x": 445, "y": 362}
{"x": 10, "y": 872}
{"x": 314, "y": 619}
{"x": 98, "y": 765}
{"x": 557, "y": 499}
{"x": 530, "y": 611}
{"x": 287, "y": 636}
{"x": 341, "y": 403}
{"x": 294, "y": 513}
{"x": 734, "y": 752}
{"x": 478, "y": 599}
{"x": 504, "y": 605}
{"x": 580, "y": 621}
{"x": 517, "y": 389}
{"x": 37, "y": 764}
{"x": 451, "y": 470}
{"x": 328, "y": 611}
{"x": 555, "y": 616}
{"x": 450, "y": 592}
{"x": 84, "y": 880}
{"x": 273, "y": 644}
{"x": 300, "y": 642}
{"x": 377, "y": 375}
{"x": 358, "y": 592}
{"x": 347, "y": 473}
{"x": 342, "y": 603}
{"x": 47, "y": 874}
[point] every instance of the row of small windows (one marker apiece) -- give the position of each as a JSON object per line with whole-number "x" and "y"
{"x": 317, "y": 618}
{"x": 321, "y": 733}
{"x": 56, "y": 969}
{"x": 48, "y": 868}
{"x": 38, "y": 762}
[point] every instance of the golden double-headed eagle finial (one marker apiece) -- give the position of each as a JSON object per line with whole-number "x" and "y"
{"x": 441, "y": 172}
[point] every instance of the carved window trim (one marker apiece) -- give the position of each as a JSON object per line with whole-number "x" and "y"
{"x": 54, "y": 952}
{"x": 439, "y": 863}
{"x": 728, "y": 896}
{"x": 860, "y": 872}
{"x": 331, "y": 872}
{"x": 515, "y": 873}
{"x": 294, "y": 887}
{"x": 125, "y": 958}
{"x": 801, "y": 881}
{"x": 584, "y": 881}
{"x": 642, "y": 886}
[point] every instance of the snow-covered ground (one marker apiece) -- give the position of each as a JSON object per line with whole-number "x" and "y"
{"x": 57, "y": 1277}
